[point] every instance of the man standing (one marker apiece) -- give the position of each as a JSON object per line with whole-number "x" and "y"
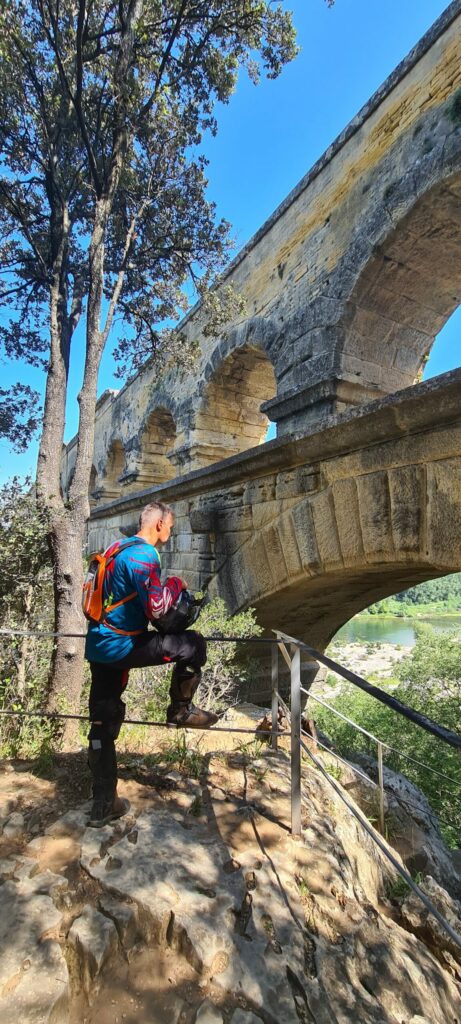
{"x": 134, "y": 597}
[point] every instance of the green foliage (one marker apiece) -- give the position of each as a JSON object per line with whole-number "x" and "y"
{"x": 181, "y": 756}
{"x": 103, "y": 108}
{"x": 398, "y": 889}
{"x": 251, "y": 750}
{"x": 304, "y": 890}
{"x": 439, "y": 595}
{"x": 333, "y": 768}
{"x": 429, "y": 681}
{"x": 24, "y": 559}
{"x": 25, "y": 604}
{"x": 226, "y": 668}
{"x": 158, "y": 680}
{"x": 19, "y": 415}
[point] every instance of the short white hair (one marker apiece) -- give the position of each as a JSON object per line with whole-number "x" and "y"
{"x": 153, "y": 512}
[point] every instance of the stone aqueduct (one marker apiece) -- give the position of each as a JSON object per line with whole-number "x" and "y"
{"x": 346, "y": 287}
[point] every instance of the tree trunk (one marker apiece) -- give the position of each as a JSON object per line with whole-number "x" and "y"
{"x": 67, "y": 668}
{"x": 67, "y": 522}
{"x": 65, "y": 531}
{"x": 69, "y": 529}
{"x": 26, "y": 645}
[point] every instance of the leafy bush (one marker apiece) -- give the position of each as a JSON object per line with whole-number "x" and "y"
{"x": 429, "y": 681}
{"x": 439, "y": 595}
{"x": 25, "y": 604}
{"x": 226, "y": 668}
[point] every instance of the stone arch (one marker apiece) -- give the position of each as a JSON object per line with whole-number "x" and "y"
{"x": 444, "y": 352}
{"x": 113, "y": 470}
{"x": 156, "y": 442}
{"x": 335, "y": 552}
{"x": 407, "y": 290}
{"x": 228, "y": 418}
{"x": 255, "y": 332}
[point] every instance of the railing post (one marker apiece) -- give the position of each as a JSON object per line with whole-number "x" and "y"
{"x": 381, "y": 787}
{"x": 275, "y": 698}
{"x": 296, "y": 741}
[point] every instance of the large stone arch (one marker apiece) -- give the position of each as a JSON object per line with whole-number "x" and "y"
{"x": 157, "y": 442}
{"x": 407, "y": 291}
{"x": 388, "y": 276}
{"x": 365, "y": 536}
{"x": 111, "y": 473}
{"x": 227, "y": 418}
{"x": 149, "y": 454}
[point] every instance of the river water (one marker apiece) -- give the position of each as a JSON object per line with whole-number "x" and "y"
{"x": 388, "y": 629}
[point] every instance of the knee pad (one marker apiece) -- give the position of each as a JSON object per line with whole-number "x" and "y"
{"x": 111, "y": 714}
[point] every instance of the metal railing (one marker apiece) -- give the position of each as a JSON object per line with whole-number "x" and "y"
{"x": 294, "y": 714}
{"x": 292, "y": 657}
{"x": 293, "y": 661}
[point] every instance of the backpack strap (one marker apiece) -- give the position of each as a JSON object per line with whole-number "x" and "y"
{"x": 129, "y": 597}
{"x": 123, "y": 632}
{"x": 123, "y": 547}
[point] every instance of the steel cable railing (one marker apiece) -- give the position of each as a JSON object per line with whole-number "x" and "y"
{"x": 297, "y": 745}
{"x": 388, "y": 746}
{"x": 447, "y": 735}
{"x": 404, "y": 874}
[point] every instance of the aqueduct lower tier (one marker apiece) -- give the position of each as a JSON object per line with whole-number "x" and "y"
{"x": 313, "y": 528}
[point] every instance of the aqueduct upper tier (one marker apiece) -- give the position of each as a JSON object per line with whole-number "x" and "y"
{"x": 346, "y": 287}
{"x": 327, "y": 522}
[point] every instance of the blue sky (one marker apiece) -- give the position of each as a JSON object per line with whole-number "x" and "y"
{"x": 271, "y": 135}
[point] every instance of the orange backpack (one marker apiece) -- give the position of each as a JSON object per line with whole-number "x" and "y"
{"x": 93, "y": 604}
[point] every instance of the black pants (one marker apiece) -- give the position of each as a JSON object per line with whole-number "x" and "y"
{"x": 186, "y": 651}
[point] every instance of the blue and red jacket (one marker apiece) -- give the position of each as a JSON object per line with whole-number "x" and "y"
{"x": 133, "y": 579}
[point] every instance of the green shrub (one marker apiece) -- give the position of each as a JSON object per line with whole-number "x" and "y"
{"x": 429, "y": 681}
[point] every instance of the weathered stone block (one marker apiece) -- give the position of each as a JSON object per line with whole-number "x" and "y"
{"x": 303, "y": 521}
{"x": 407, "y": 488}
{"x": 326, "y": 530}
{"x": 287, "y": 532}
{"x": 347, "y": 515}
{"x": 275, "y": 554}
{"x": 297, "y": 482}
{"x": 444, "y": 512}
{"x": 375, "y": 516}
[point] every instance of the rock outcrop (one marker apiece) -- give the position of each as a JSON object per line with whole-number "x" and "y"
{"x": 412, "y": 823}
{"x": 201, "y": 901}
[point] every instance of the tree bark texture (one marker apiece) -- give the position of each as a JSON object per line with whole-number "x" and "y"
{"x": 67, "y": 519}
{"x": 26, "y": 645}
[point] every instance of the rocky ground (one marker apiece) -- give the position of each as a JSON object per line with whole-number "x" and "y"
{"x": 198, "y": 906}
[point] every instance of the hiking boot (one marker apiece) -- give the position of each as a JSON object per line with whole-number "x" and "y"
{"x": 103, "y": 811}
{"x": 188, "y": 716}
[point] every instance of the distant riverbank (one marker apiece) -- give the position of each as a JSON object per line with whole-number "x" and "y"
{"x": 393, "y": 629}
{"x": 379, "y": 662}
